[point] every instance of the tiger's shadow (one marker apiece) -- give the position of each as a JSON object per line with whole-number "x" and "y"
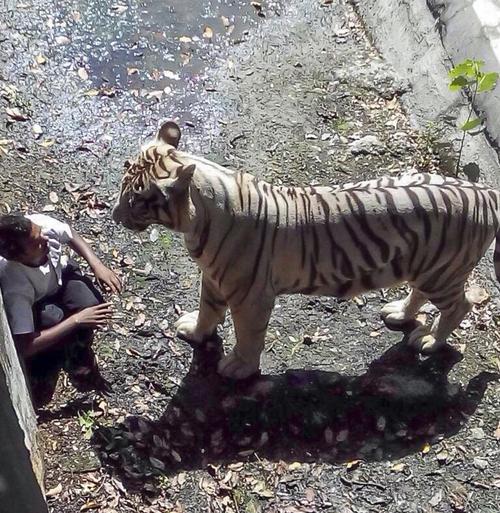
{"x": 401, "y": 403}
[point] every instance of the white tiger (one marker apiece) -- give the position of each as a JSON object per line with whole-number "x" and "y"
{"x": 254, "y": 241}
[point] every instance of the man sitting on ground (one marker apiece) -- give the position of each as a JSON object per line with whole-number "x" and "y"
{"x": 51, "y": 307}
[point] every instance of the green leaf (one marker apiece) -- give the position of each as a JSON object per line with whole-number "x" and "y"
{"x": 469, "y": 125}
{"x": 469, "y": 68}
{"x": 487, "y": 82}
{"x": 458, "y": 83}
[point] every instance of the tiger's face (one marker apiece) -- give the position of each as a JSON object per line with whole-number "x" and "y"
{"x": 155, "y": 186}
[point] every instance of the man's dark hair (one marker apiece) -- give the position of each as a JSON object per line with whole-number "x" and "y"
{"x": 14, "y": 230}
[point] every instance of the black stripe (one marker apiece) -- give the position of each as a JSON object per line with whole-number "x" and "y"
{"x": 420, "y": 211}
{"x": 196, "y": 253}
{"x": 225, "y": 191}
{"x": 276, "y": 222}
{"x": 345, "y": 265}
{"x": 259, "y": 205}
{"x": 223, "y": 240}
{"x": 239, "y": 183}
{"x": 362, "y": 219}
{"x": 396, "y": 264}
{"x": 259, "y": 254}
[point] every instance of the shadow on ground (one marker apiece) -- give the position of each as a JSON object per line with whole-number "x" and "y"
{"x": 401, "y": 403}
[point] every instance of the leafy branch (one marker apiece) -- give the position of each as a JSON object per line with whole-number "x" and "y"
{"x": 468, "y": 76}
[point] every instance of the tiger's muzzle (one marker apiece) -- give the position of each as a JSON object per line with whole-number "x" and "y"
{"x": 126, "y": 220}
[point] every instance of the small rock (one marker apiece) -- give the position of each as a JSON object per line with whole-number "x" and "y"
{"x": 436, "y": 498}
{"x": 477, "y": 433}
{"x": 367, "y": 145}
{"x": 480, "y": 463}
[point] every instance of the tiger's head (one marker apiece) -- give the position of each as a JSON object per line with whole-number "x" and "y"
{"x": 155, "y": 186}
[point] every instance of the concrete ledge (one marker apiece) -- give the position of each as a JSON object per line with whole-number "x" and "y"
{"x": 21, "y": 466}
{"x": 407, "y": 34}
{"x": 423, "y": 39}
{"x": 471, "y": 29}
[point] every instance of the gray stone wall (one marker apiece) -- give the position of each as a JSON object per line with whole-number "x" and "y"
{"x": 21, "y": 465}
{"x": 471, "y": 29}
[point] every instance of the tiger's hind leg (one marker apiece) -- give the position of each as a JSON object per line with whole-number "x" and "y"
{"x": 453, "y": 306}
{"x": 202, "y": 324}
{"x": 250, "y": 325}
{"x": 398, "y": 313}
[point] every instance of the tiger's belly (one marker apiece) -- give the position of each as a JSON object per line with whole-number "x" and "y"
{"x": 346, "y": 288}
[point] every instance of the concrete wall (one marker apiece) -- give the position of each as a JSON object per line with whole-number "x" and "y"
{"x": 471, "y": 29}
{"x": 21, "y": 466}
{"x": 407, "y": 34}
{"x": 424, "y": 38}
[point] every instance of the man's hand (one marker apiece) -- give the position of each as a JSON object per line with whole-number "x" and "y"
{"x": 107, "y": 279}
{"x": 93, "y": 316}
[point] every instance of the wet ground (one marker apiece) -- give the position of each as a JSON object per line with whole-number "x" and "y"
{"x": 361, "y": 423}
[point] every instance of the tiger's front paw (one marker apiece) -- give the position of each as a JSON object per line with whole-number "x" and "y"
{"x": 394, "y": 315}
{"x": 424, "y": 341}
{"x": 233, "y": 366}
{"x": 186, "y": 328}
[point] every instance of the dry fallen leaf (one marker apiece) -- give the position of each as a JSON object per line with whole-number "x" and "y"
{"x": 351, "y": 465}
{"x": 141, "y": 319}
{"x": 15, "y": 114}
{"x": 40, "y": 59}
{"x": 225, "y": 21}
{"x": 185, "y": 39}
{"x": 54, "y": 492}
{"x": 48, "y": 208}
{"x": 171, "y": 75}
{"x": 47, "y": 143}
{"x": 185, "y": 58}
{"x": 6, "y": 207}
{"x": 208, "y": 33}
{"x": 54, "y": 198}
{"x": 82, "y": 73}
{"x": 426, "y": 448}
{"x": 155, "y": 94}
{"x": 119, "y": 8}
{"x": 90, "y": 505}
{"x": 91, "y": 92}
{"x": 62, "y": 40}
{"x": 310, "y": 494}
{"x": 477, "y": 295}
{"x": 398, "y": 467}
{"x": 262, "y": 490}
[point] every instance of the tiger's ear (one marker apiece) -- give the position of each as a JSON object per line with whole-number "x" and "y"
{"x": 184, "y": 175}
{"x": 169, "y": 133}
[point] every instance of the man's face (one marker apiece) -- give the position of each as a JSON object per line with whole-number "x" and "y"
{"x": 35, "y": 247}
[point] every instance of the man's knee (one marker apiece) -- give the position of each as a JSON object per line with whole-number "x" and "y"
{"x": 50, "y": 315}
{"x": 78, "y": 295}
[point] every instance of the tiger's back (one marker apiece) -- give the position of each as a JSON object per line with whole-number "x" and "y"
{"x": 342, "y": 241}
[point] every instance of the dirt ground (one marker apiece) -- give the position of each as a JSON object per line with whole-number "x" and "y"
{"x": 344, "y": 417}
